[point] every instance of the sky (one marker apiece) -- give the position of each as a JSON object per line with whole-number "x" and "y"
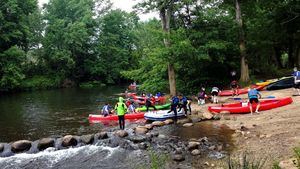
{"x": 125, "y": 5}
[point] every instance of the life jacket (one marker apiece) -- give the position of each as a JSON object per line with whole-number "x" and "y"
{"x": 121, "y": 107}
{"x": 175, "y": 100}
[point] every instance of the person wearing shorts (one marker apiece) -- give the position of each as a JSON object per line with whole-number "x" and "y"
{"x": 253, "y": 96}
{"x": 214, "y": 93}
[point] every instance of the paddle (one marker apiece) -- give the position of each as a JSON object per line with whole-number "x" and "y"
{"x": 239, "y": 98}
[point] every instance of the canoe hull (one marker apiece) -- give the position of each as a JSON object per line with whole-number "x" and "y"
{"x": 158, "y": 107}
{"x": 96, "y": 117}
{"x": 239, "y": 108}
{"x": 162, "y": 115}
{"x": 240, "y": 91}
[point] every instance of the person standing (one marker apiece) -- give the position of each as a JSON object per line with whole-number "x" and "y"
{"x": 253, "y": 96}
{"x": 174, "y": 104}
{"x": 121, "y": 109}
{"x": 214, "y": 93}
{"x": 296, "y": 75}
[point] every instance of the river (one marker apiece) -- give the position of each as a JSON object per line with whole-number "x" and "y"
{"x": 38, "y": 114}
{"x": 52, "y": 113}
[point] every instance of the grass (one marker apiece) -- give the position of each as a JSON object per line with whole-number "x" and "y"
{"x": 297, "y": 155}
{"x": 157, "y": 160}
{"x": 245, "y": 161}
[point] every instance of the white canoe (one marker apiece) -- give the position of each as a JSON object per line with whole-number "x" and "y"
{"x": 161, "y": 115}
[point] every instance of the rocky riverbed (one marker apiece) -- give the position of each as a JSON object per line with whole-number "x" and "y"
{"x": 183, "y": 144}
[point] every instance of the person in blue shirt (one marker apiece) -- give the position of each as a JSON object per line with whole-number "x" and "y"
{"x": 106, "y": 110}
{"x": 296, "y": 75}
{"x": 183, "y": 103}
{"x": 174, "y": 105}
{"x": 253, "y": 96}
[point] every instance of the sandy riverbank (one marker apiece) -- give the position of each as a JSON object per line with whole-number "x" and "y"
{"x": 271, "y": 134}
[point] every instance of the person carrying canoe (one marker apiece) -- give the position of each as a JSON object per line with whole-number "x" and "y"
{"x": 106, "y": 110}
{"x": 296, "y": 75}
{"x": 253, "y": 96}
{"x": 174, "y": 105}
{"x": 201, "y": 96}
{"x": 121, "y": 109}
{"x": 182, "y": 103}
{"x": 149, "y": 101}
{"x": 234, "y": 87}
{"x": 214, "y": 93}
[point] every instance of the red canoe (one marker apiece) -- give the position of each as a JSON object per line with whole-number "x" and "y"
{"x": 142, "y": 100}
{"x": 240, "y": 91}
{"x": 97, "y": 117}
{"x": 241, "y": 108}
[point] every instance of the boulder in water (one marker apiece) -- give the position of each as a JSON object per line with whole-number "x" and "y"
{"x": 21, "y": 146}
{"x": 45, "y": 143}
{"x": 68, "y": 141}
{"x": 183, "y": 121}
{"x": 217, "y": 117}
{"x": 141, "y": 130}
{"x": 101, "y": 135}
{"x": 87, "y": 139}
{"x": 207, "y": 116}
{"x": 187, "y": 124}
{"x": 178, "y": 157}
{"x": 168, "y": 121}
{"x": 149, "y": 126}
{"x": 158, "y": 123}
{"x": 1, "y": 147}
{"x": 193, "y": 145}
{"x": 195, "y": 152}
{"x": 121, "y": 133}
{"x": 137, "y": 138}
{"x": 143, "y": 146}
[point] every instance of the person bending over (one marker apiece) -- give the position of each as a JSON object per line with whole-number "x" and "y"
{"x": 183, "y": 103}
{"x": 149, "y": 103}
{"x": 174, "y": 104}
{"x": 214, "y": 93}
{"x": 253, "y": 96}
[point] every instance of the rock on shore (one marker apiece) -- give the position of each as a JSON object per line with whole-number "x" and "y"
{"x": 21, "y": 146}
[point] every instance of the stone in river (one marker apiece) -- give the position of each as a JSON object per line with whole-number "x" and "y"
{"x": 87, "y": 139}
{"x": 121, "y": 133}
{"x": 20, "y": 146}
{"x": 45, "y": 143}
{"x": 195, "y": 152}
{"x": 101, "y": 135}
{"x": 68, "y": 141}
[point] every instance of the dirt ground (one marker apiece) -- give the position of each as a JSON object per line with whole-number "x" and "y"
{"x": 270, "y": 134}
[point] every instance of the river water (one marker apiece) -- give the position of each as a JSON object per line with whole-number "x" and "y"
{"x": 34, "y": 115}
{"x": 38, "y": 114}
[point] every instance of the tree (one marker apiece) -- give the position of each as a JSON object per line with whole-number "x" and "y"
{"x": 242, "y": 45}
{"x": 14, "y": 41}
{"x": 165, "y": 8}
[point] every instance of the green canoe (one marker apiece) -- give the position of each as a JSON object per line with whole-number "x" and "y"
{"x": 158, "y": 107}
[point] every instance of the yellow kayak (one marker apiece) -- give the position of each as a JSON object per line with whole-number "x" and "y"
{"x": 267, "y": 82}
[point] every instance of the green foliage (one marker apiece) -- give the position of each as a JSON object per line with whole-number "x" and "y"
{"x": 245, "y": 162}
{"x": 40, "y": 82}
{"x": 297, "y": 155}
{"x": 91, "y": 84}
{"x": 276, "y": 165}
{"x": 157, "y": 160}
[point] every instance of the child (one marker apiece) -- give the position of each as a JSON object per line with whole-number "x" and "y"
{"x": 106, "y": 110}
{"x": 131, "y": 108}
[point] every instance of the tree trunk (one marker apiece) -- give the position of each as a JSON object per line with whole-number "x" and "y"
{"x": 165, "y": 15}
{"x": 242, "y": 45}
{"x": 276, "y": 57}
{"x": 291, "y": 61}
{"x": 297, "y": 57}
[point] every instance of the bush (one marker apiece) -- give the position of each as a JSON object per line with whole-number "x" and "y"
{"x": 245, "y": 162}
{"x": 40, "y": 82}
{"x": 91, "y": 84}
